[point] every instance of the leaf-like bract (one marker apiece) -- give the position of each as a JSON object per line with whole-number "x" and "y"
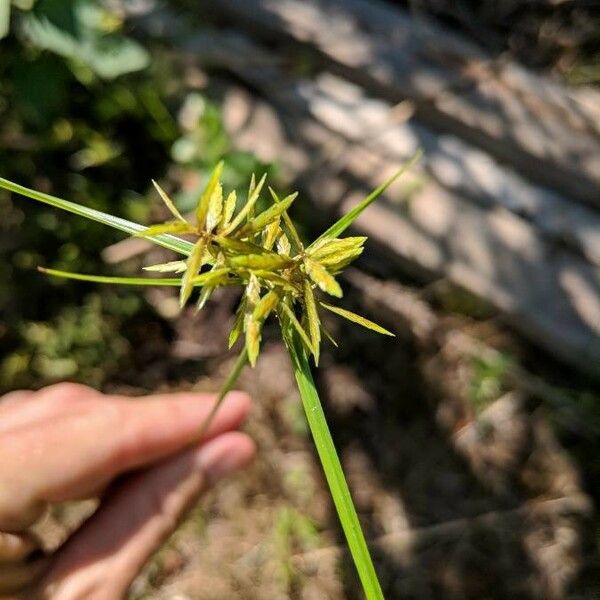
{"x": 347, "y": 314}
{"x": 166, "y": 241}
{"x": 168, "y": 202}
{"x": 289, "y": 313}
{"x": 344, "y": 222}
{"x": 111, "y": 280}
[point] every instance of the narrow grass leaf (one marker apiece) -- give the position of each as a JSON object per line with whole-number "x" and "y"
{"x": 347, "y": 314}
{"x": 168, "y": 202}
{"x": 207, "y": 194}
{"x": 111, "y": 280}
{"x": 344, "y": 222}
{"x": 323, "y": 278}
{"x": 166, "y": 241}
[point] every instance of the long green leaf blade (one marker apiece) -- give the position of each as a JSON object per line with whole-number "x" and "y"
{"x": 166, "y": 241}
{"x": 111, "y": 280}
{"x": 333, "y": 471}
{"x": 344, "y": 222}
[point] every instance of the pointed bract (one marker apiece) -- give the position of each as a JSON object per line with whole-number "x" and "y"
{"x": 168, "y": 202}
{"x": 289, "y": 313}
{"x": 347, "y": 314}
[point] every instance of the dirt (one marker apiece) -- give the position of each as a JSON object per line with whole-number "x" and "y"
{"x": 456, "y": 503}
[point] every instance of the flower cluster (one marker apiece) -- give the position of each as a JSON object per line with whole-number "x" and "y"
{"x": 264, "y": 253}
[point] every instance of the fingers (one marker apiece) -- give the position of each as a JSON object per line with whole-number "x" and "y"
{"x": 82, "y": 445}
{"x": 21, "y": 561}
{"x": 136, "y": 518}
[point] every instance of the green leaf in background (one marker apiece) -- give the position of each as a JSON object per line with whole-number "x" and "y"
{"x": 4, "y": 17}
{"x": 84, "y": 32}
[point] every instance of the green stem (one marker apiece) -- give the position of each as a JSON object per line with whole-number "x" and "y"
{"x": 227, "y": 386}
{"x": 334, "y": 473}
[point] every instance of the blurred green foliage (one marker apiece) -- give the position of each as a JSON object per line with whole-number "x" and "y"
{"x": 488, "y": 380}
{"x": 89, "y": 114}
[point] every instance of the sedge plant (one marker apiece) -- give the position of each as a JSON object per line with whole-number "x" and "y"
{"x": 280, "y": 276}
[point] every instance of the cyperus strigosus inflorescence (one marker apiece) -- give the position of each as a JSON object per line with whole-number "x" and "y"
{"x": 280, "y": 275}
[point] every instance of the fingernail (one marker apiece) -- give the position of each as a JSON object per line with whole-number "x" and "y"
{"x": 237, "y": 396}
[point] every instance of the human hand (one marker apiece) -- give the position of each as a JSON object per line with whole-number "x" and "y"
{"x": 70, "y": 442}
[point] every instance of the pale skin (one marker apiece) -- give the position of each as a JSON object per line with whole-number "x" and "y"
{"x": 140, "y": 456}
